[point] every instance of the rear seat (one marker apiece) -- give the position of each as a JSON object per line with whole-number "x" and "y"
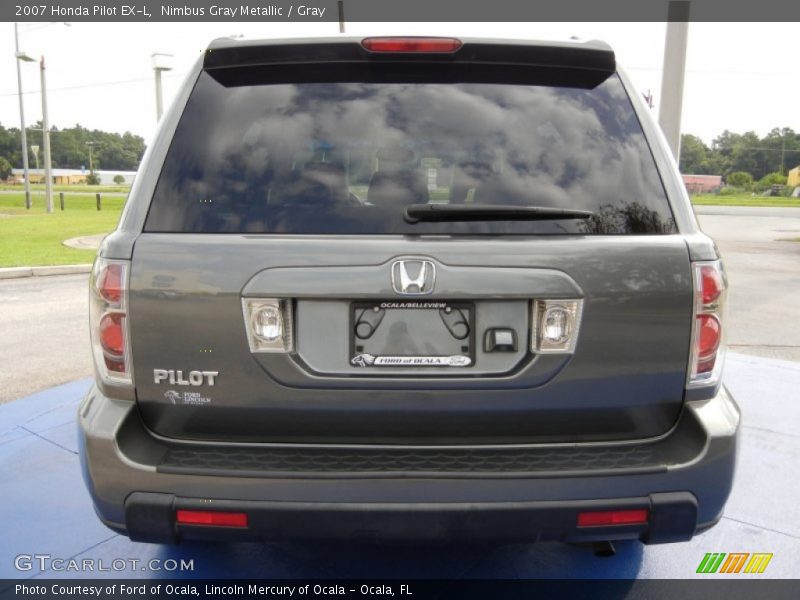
{"x": 398, "y": 182}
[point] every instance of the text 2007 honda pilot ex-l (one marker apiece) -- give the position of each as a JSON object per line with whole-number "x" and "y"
{"x": 415, "y": 288}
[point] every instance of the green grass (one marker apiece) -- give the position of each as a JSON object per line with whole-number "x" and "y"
{"x": 39, "y": 187}
{"x": 33, "y": 237}
{"x": 744, "y": 200}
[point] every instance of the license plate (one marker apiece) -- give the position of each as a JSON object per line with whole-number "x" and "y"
{"x": 413, "y": 334}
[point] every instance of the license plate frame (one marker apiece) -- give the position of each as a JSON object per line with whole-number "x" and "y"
{"x": 398, "y": 312}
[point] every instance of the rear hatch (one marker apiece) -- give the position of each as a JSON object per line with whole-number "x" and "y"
{"x": 471, "y": 246}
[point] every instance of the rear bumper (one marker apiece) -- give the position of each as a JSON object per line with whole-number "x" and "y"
{"x": 138, "y": 482}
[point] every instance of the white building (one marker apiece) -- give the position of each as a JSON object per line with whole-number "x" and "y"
{"x": 73, "y": 176}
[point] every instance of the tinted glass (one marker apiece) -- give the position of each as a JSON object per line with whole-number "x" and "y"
{"x": 348, "y": 158}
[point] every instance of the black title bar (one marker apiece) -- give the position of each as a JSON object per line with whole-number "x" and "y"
{"x": 444, "y": 11}
{"x": 181, "y": 589}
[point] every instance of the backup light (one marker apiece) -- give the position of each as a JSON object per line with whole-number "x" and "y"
{"x": 554, "y": 326}
{"x": 411, "y": 44}
{"x": 269, "y": 324}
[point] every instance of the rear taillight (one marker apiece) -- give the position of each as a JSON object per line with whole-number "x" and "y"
{"x": 555, "y": 325}
{"x": 110, "y": 282}
{"x": 108, "y": 305}
{"x": 411, "y": 44}
{"x": 707, "y": 351}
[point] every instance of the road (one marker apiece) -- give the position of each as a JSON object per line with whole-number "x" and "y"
{"x": 43, "y": 320}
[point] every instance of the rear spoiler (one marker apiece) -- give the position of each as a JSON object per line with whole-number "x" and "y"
{"x": 579, "y": 64}
{"x": 592, "y": 55}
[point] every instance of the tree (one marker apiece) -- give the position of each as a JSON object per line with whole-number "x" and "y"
{"x": 93, "y": 179}
{"x": 69, "y": 148}
{"x": 5, "y": 169}
{"x": 694, "y": 156}
{"x": 10, "y": 146}
{"x": 783, "y": 146}
{"x": 119, "y": 179}
{"x": 748, "y": 154}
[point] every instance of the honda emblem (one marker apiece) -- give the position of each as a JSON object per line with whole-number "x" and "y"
{"x": 413, "y": 277}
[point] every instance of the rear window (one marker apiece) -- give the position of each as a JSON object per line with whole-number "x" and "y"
{"x": 349, "y": 157}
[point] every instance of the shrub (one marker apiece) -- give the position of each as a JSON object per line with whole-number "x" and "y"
{"x": 93, "y": 179}
{"x": 772, "y": 179}
{"x": 768, "y": 180}
{"x": 119, "y": 179}
{"x": 740, "y": 179}
{"x": 728, "y": 191}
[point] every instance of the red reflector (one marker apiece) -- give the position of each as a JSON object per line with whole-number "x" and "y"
{"x": 708, "y": 336}
{"x": 712, "y": 283}
{"x": 214, "y": 518}
{"x": 111, "y": 336}
{"x": 411, "y": 44}
{"x": 110, "y": 284}
{"x": 613, "y": 517}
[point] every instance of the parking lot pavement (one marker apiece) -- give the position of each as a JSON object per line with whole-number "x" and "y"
{"x": 45, "y": 333}
{"x": 46, "y": 509}
{"x": 764, "y": 273}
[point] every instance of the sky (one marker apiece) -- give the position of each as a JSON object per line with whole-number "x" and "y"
{"x": 739, "y": 76}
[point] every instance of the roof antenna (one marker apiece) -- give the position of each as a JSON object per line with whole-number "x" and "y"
{"x": 340, "y": 3}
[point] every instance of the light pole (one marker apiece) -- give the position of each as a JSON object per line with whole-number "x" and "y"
{"x": 160, "y": 63}
{"x": 21, "y": 56}
{"x": 669, "y": 117}
{"x": 48, "y": 172}
{"x": 91, "y": 161}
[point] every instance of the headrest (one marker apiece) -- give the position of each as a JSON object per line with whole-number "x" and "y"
{"x": 395, "y": 154}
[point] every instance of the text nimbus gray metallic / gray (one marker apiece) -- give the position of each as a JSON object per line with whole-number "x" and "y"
{"x": 242, "y": 11}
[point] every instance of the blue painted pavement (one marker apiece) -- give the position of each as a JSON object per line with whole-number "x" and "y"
{"x": 45, "y": 509}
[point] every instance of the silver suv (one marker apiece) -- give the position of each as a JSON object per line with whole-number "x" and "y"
{"x": 418, "y": 288}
